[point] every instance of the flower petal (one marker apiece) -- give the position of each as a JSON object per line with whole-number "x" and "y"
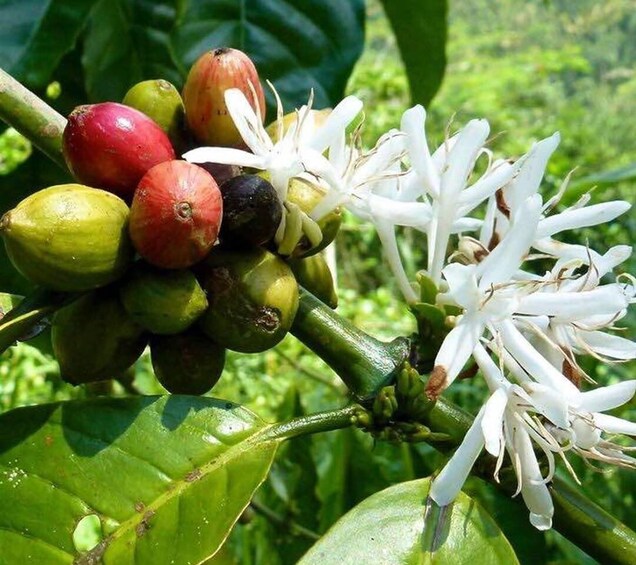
{"x": 608, "y": 345}
{"x": 532, "y": 361}
{"x": 507, "y": 257}
{"x": 550, "y": 403}
{"x": 605, "y": 300}
{"x": 449, "y": 482}
{"x": 336, "y": 123}
{"x": 486, "y": 186}
{"x": 581, "y": 217}
{"x": 492, "y": 422}
{"x": 614, "y": 425}
{"x": 414, "y": 126}
{"x": 453, "y": 179}
{"x": 533, "y": 490}
{"x": 413, "y": 214}
{"x": 458, "y": 346}
{"x": 386, "y": 233}
{"x": 247, "y": 122}
{"x": 225, "y": 156}
{"x": 531, "y": 171}
{"x": 607, "y": 397}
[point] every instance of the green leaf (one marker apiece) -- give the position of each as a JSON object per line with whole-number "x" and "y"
{"x": 142, "y": 50}
{"x": 166, "y": 476}
{"x": 401, "y": 525}
{"x": 35, "y": 35}
{"x": 298, "y": 46}
{"x": 420, "y": 30}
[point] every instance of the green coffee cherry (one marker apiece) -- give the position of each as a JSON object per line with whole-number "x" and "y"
{"x": 187, "y": 363}
{"x": 313, "y": 273}
{"x": 160, "y": 101}
{"x": 253, "y": 298}
{"x": 163, "y": 301}
{"x": 95, "y": 339}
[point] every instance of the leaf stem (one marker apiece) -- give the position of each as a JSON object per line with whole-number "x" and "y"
{"x": 20, "y": 320}
{"x": 32, "y": 117}
{"x": 315, "y": 423}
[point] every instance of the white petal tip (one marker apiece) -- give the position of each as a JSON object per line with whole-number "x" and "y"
{"x": 541, "y": 522}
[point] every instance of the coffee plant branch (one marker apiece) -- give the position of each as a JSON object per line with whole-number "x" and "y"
{"x": 362, "y": 362}
{"x": 32, "y": 117}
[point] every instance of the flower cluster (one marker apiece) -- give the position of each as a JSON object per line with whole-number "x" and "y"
{"x": 522, "y": 329}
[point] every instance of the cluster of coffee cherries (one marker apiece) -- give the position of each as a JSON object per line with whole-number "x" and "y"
{"x": 153, "y": 250}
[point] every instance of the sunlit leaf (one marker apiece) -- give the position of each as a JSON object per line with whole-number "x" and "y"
{"x": 401, "y": 525}
{"x": 167, "y": 477}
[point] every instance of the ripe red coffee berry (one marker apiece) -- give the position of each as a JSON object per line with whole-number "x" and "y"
{"x": 111, "y": 146}
{"x": 204, "y": 94}
{"x": 175, "y": 215}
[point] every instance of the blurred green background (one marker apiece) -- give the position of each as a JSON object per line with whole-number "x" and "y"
{"x": 530, "y": 68}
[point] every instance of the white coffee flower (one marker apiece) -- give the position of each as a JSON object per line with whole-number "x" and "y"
{"x": 557, "y": 420}
{"x": 297, "y": 150}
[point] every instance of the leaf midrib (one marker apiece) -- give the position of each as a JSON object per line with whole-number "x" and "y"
{"x": 177, "y": 487}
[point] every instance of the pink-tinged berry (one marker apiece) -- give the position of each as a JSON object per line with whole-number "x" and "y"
{"x": 111, "y": 146}
{"x": 175, "y": 215}
{"x": 204, "y": 95}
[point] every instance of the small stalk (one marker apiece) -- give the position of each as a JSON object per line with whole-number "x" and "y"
{"x": 32, "y": 117}
{"x": 364, "y": 363}
{"x": 315, "y": 423}
{"x": 19, "y": 321}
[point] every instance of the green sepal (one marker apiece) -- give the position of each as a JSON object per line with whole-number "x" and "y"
{"x": 428, "y": 289}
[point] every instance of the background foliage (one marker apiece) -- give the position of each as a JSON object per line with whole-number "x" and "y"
{"x": 530, "y": 68}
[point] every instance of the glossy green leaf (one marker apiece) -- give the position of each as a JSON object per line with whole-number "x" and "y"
{"x": 142, "y": 50}
{"x": 166, "y": 476}
{"x": 400, "y": 525}
{"x": 36, "y": 34}
{"x": 420, "y": 30}
{"x": 298, "y": 46}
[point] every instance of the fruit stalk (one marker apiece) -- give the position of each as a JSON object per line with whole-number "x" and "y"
{"x": 20, "y": 320}
{"x": 32, "y": 117}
